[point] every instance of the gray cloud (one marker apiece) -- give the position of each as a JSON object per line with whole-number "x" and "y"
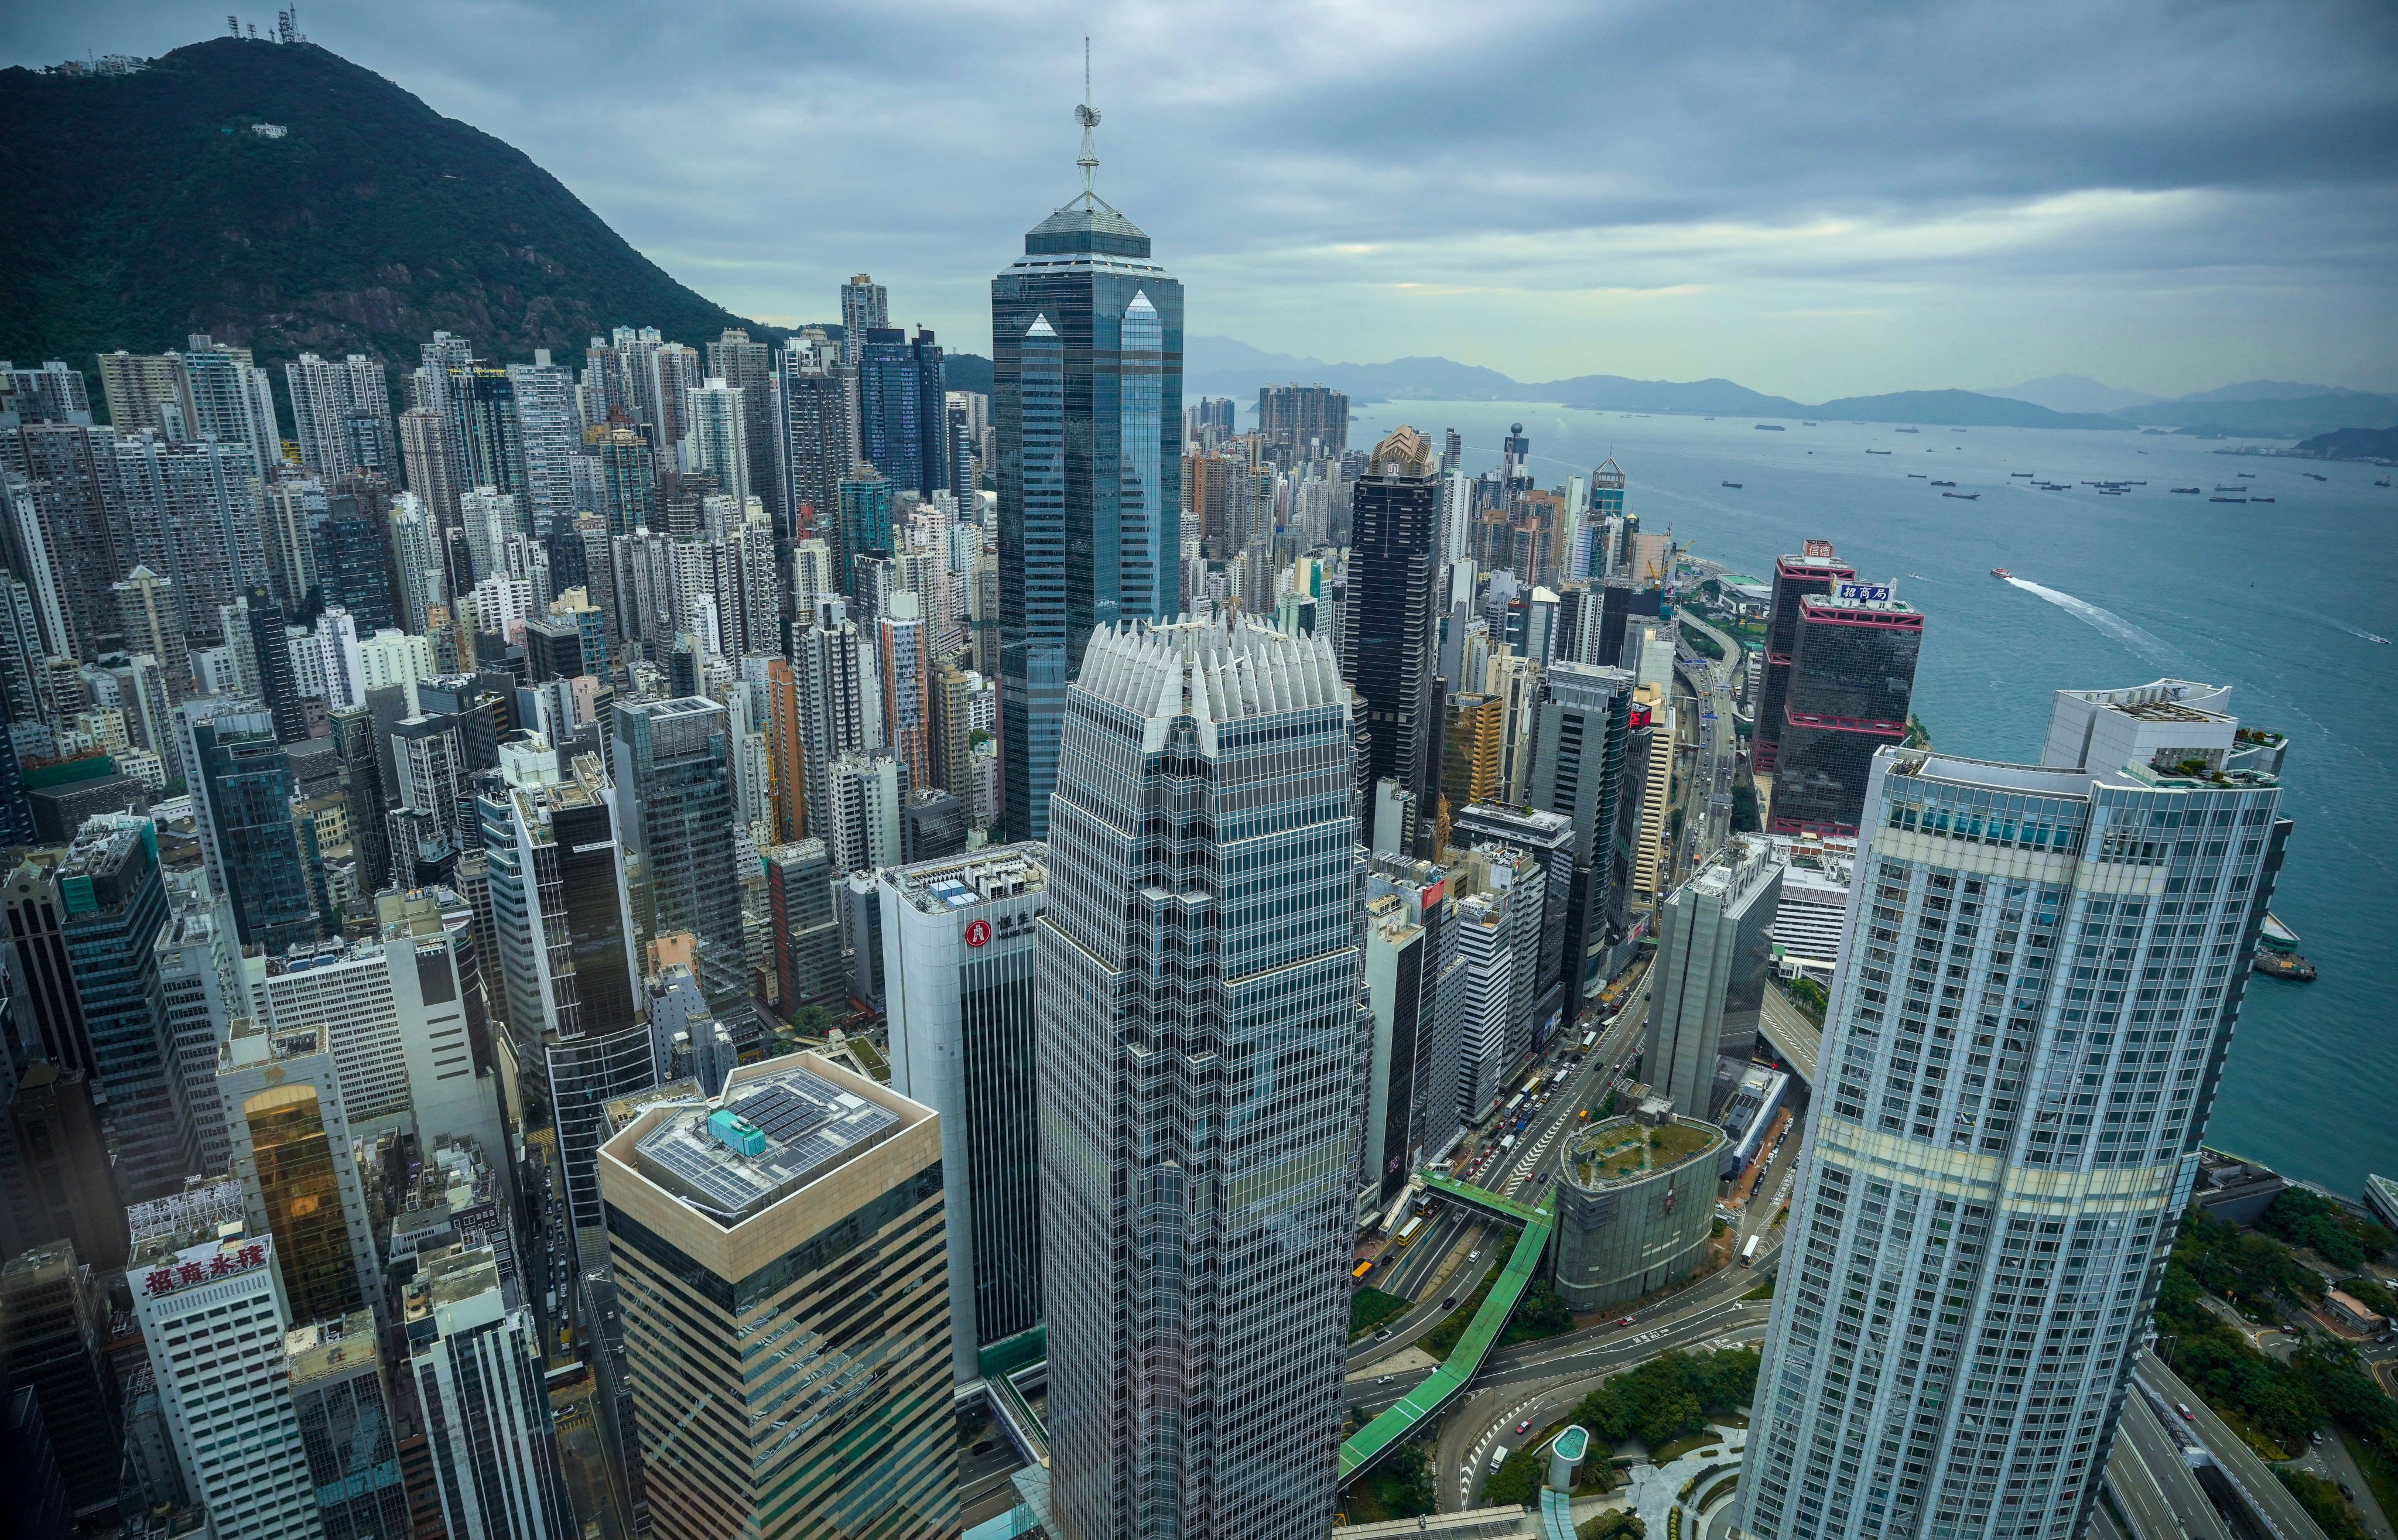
{"x": 1811, "y": 198}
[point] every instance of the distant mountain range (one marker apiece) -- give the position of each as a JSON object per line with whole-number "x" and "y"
{"x": 1219, "y": 366}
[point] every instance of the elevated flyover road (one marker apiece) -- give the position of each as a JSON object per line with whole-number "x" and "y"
{"x": 1799, "y": 1039}
{"x": 2269, "y": 1502}
{"x": 2151, "y": 1480}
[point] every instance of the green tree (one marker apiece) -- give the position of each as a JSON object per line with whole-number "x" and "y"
{"x": 1615, "y": 1525}
{"x": 1517, "y": 1480}
{"x": 1407, "y": 1490}
{"x": 2323, "y": 1503}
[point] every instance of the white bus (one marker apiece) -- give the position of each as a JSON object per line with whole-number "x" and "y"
{"x": 1748, "y": 1253}
{"x": 1406, "y": 1232}
{"x": 1589, "y": 1039}
{"x": 1513, "y": 1102}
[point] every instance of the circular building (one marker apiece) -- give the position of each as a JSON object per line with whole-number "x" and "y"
{"x": 1636, "y": 1205}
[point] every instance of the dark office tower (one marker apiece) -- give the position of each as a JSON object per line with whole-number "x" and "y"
{"x": 354, "y": 567}
{"x": 1579, "y": 749}
{"x": 16, "y": 809}
{"x": 1087, "y": 343}
{"x": 674, "y": 791}
{"x": 277, "y": 690}
{"x": 65, "y": 1184}
{"x": 113, "y": 904}
{"x": 962, "y": 450}
{"x": 748, "y": 367}
{"x": 1794, "y": 578}
{"x": 553, "y": 650}
{"x": 1197, "y": 1316}
{"x": 565, "y": 979}
{"x": 1302, "y": 421}
{"x": 932, "y": 826}
{"x": 817, "y": 447}
{"x": 54, "y": 1341}
{"x": 932, "y": 413}
{"x": 487, "y": 446}
{"x": 67, "y": 529}
{"x": 865, "y": 527}
{"x": 363, "y": 791}
{"x": 1852, "y": 677}
{"x": 890, "y": 407}
{"x": 242, "y": 784}
{"x": 1387, "y": 626}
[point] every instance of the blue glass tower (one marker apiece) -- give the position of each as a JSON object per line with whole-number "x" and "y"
{"x": 1086, "y": 382}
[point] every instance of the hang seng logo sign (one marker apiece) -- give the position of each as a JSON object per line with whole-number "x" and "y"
{"x": 166, "y": 1280}
{"x": 977, "y": 933}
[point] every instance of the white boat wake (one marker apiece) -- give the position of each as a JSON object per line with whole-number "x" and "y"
{"x": 2114, "y": 625}
{"x": 2361, "y": 634}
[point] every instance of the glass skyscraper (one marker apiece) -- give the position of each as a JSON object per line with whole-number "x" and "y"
{"x": 1086, "y": 379}
{"x": 2041, "y": 970}
{"x": 1199, "y": 1031}
{"x": 1390, "y": 621}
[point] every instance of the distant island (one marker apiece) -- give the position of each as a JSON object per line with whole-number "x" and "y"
{"x": 2351, "y": 443}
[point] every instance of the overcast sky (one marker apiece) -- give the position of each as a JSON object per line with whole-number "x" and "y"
{"x": 1811, "y": 199}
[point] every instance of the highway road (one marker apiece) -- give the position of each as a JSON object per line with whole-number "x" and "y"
{"x": 1789, "y": 1029}
{"x": 2271, "y": 1502}
{"x": 2152, "y": 1481}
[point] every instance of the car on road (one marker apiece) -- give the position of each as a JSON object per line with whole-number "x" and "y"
{"x": 1627, "y": 1320}
{"x": 1448, "y": 1303}
{"x": 1383, "y": 1335}
{"x": 2187, "y": 1415}
{"x": 1474, "y": 1255}
{"x": 1386, "y": 1379}
{"x": 1524, "y": 1426}
{"x": 2315, "y": 1437}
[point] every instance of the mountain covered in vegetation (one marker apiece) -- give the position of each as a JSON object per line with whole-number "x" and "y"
{"x": 280, "y": 198}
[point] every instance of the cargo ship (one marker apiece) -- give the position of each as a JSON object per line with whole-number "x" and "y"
{"x": 2277, "y": 953}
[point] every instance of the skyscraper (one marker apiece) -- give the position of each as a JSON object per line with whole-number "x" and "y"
{"x": 1578, "y": 774}
{"x": 1303, "y": 422}
{"x": 958, "y": 938}
{"x": 566, "y": 972}
{"x": 344, "y": 1413}
{"x": 1087, "y": 345}
{"x": 1794, "y": 577}
{"x": 292, "y": 1151}
{"x": 674, "y": 796}
{"x": 1850, "y": 684}
{"x": 1199, "y": 1326}
{"x": 476, "y": 1352}
{"x": 864, "y": 304}
{"x": 891, "y": 428}
{"x": 747, "y": 367}
{"x": 817, "y": 447}
{"x": 798, "y": 1218}
{"x": 717, "y": 436}
{"x": 110, "y": 1019}
{"x": 1390, "y": 623}
{"x": 1714, "y": 951}
{"x": 328, "y": 398}
{"x": 2042, "y": 969}
{"x": 213, "y": 1321}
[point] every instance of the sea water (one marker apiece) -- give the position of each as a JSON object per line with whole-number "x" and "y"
{"x": 2285, "y": 602}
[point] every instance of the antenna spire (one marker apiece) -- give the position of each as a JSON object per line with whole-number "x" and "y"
{"x": 1089, "y": 119}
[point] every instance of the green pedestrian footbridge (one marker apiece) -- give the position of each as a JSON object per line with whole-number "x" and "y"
{"x": 1394, "y": 1428}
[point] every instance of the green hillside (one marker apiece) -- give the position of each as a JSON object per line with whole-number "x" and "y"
{"x": 143, "y": 208}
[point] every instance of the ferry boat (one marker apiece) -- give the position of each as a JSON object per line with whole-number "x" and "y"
{"x": 2002, "y": 572}
{"x": 2277, "y": 953}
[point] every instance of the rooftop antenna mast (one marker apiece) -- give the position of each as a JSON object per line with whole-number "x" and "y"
{"x": 1089, "y": 119}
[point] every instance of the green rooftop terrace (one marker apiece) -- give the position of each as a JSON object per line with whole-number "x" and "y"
{"x": 1621, "y": 1149}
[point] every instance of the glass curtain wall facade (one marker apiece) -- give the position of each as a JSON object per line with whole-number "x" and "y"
{"x": 1086, "y": 341}
{"x": 1794, "y": 577}
{"x": 1389, "y": 625}
{"x": 1851, "y": 681}
{"x": 1200, "y": 1030}
{"x": 2042, "y": 970}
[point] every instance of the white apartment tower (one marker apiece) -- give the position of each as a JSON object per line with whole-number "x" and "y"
{"x": 210, "y": 1306}
{"x": 2037, "y": 989}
